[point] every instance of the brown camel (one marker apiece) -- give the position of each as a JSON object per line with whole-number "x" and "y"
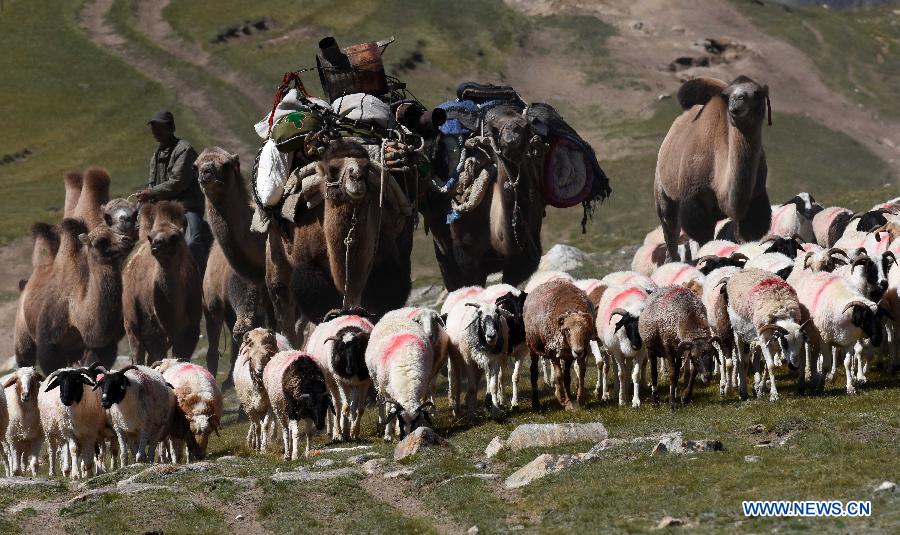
{"x": 161, "y": 292}
{"x": 34, "y": 291}
{"x": 226, "y": 295}
{"x": 513, "y": 246}
{"x": 79, "y": 297}
{"x": 120, "y": 215}
{"x": 310, "y": 269}
{"x": 712, "y": 165}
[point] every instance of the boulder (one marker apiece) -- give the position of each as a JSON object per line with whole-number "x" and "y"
{"x": 403, "y": 473}
{"x": 543, "y": 465}
{"x": 373, "y": 465}
{"x": 549, "y": 435}
{"x": 323, "y": 463}
{"x": 562, "y": 257}
{"x": 675, "y": 444}
{"x": 423, "y": 437}
{"x": 305, "y": 475}
{"x": 887, "y": 486}
{"x": 669, "y": 521}
{"x": 495, "y": 446}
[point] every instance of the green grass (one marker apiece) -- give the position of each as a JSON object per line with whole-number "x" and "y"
{"x": 856, "y": 50}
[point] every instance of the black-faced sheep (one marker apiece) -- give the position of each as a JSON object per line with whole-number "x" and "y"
{"x": 72, "y": 419}
{"x": 306, "y": 399}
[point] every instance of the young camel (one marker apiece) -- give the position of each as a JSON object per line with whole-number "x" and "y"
{"x": 162, "y": 287}
{"x": 712, "y": 165}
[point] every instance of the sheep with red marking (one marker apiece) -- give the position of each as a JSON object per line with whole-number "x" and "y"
{"x": 72, "y": 419}
{"x": 257, "y": 349}
{"x": 765, "y": 311}
{"x": 559, "y": 325}
{"x": 673, "y": 326}
{"x": 546, "y": 276}
{"x": 400, "y": 359}
{"x": 297, "y": 392}
{"x": 479, "y": 338}
{"x": 794, "y": 218}
{"x": 141, "y": 405}
{"x": 717, "y": 315}
{"x": 722, "y": 248}
{"x": 789, "y": 247}
{"x": 618, "y": 314}
{"x": 629, "y": 278}
{"x": 648, "y": 258}
{"x": 24, "y": 433}
{"x": 675, "y": 273}
{"x": 338, "y": 345}
{"x": 777, "y": 263}
{"x": 841, "y": 317}
{"x": 829, "y": 224}
{"x": 199, "y": 401}
{"x": 821, "y": 260}
{"x": 466, "y": 292}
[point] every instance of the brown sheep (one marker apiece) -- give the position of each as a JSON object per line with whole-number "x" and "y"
{"x": 712, "y": 164}
{"x": 162, "y": 287}
{"x": 674, "y": 327}
{"x": 559, "y": 325}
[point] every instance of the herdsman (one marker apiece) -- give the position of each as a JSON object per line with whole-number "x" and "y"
{"x": 172, "y": 177}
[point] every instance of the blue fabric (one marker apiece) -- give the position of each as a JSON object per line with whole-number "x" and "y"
{"x": 452, "y": 127}
{"x": 452, "y": 216}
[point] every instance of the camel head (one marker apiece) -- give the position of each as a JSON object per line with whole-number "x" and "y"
{"x": 106, "y": 246}
{"x": 345, "y": 168}
{"x": 120, "y": 215}
{"x": 748, "y": 102}
{"x": 511, "y": 129}
{"x": 217, "y": 171}
{"x": 162, "y": 225}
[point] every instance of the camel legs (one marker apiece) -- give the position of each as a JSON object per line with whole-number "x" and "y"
{"x": 214, "y": 316}
{"x": 668, "y": 211}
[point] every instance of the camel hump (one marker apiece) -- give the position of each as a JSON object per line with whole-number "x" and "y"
{"x": 73, "y": 179}
{"x": 73, "y": 226}
{"x": 96, "y": 179}
{"x": 699, "y": 91}
{"x": 46, "y": 236}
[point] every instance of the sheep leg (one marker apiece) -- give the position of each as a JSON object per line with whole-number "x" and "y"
{"x": 690, "y": 376}
{"x": 75, "y": 456}
{"x": 667, "y": 209}
{"x": 759, "y": 379}
{"x": 559, "y": 388}
{"x": 547, "y": 372}
{"x": 342, "y": 413}
{"x": 620, "y": 365}
{"x": 471, "y": 390}
{"x": 654, "y": 379}
{"x": 310, "y": 431}
{"x": 826, "y": 361}
{"x": 801, "y": 370}
{"x": 563, "y": 369}
{"x": 848, "y": 371}
{"x": 741, "y": 366}
{"x": 388, "y": 424}
{"x": 535, "y": 400}
{"x": 598, "y": 360}
{"x": 770, "y": 368}
{"x": 52, "y": 456}
{"x": 514, "y": 379}
{"x": 285, "y": 438}
{"x": 862, "y": 360}
{"x": 832, "y": 367}
{"x": 294, "y": 427}
{"x": 636, "y": 366}
{"x": 674, "y": 373}
{"x": 580, "y": 373}
{"x": 454, "y": 376}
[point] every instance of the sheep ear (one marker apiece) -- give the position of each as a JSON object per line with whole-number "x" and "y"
{"x": 86, "y": 379}
{"x": 52, "y": 384}
{"x": 11, "y": 381}
{"x": 444, "y": 318}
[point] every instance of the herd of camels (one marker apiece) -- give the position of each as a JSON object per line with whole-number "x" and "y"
{"x": 103, "y": 272}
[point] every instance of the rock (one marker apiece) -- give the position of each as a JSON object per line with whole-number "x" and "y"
{"x": 373, "y": 465}
{"x": 541, "y": 466}
{"x": 423, "y": 295}
{"x": 481, "y": 465}
{"x": 675, "y": 444}
{"x": 495, "y": 446}
{"x": 887, "y": 486}
{"x": 239, "y": 517}
{"x": 129, "y": 488}
{"x": 663, "y": 96}
{"x": 305, "y": 475}
{"x": 229, "y": 459}
{"x": 703, "y": 445}
{"x": 669, "y": 521}
{"x": 562, "y": 257}
{"x": 472, "y": 531}
{"x": 605, "y": 444}
{"x": 402, "y": 473}
{"x": 423, "y": 437}
{"x": 752, "y": 458}
{"x": 362, "y": 458}
{"x": 548, "y": 435}
{"x": 19, "y": 482}
{"x": 323, "y": 463}
{"x": 483, "y": 477}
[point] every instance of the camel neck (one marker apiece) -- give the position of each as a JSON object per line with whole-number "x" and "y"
{"x": 229, "y": 217}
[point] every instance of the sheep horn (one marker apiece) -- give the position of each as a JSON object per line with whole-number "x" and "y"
{"x": 831, "y": 251}
{"x": 890, "y": 256}
{"x": 126, "y": 368}
{"x": 97, "y": 365}
{"x": 852, "y": 304}
{"x": 806, "y": 260}
{"x": 155, "y": 364}
{"x": 471, "y": 304}
{"x": 622, "y": 312}
{"x": 861, "y": 260}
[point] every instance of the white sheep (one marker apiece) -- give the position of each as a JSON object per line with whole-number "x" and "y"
{"x": 479, "y": 338}
{"x": 466, "y": 292}
{"x": 794, "y": 218}
{"x": 400, "y": 359}
{"x": 141, "y": 405}
{"x": 72, "y": 419}
{"x": 717, "y": 315}
{"x": 338, "y": 346}
{"x": 629, "y": 278}
{"x": 24, "y": 433}
{"x": 618, "y": 314}
{"x": 826, "y": 222}
{"x": 199, "y": 401}
{"x": 721, "y": 248}
{"x": 777, "y": 263}
{"x": 545, "y": 276}
{"x": 272, "y": 379}
{"x": 257, "y": 349}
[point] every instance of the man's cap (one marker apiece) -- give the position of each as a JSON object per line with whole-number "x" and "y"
{"x": 162, "y": 117}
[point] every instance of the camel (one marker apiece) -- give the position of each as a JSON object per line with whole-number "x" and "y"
{"x": 310, "y": 270}
{"x": 79, "y": 315}
{"x": 94, "y": 194}
{"x": 120, "y": 215}
{"x": 73, "y": 181}
{"x": 712, "y": 165}
{"x": 161, "y": 287}
{"x": 226, "y": 296}
{"x": 465, "y": 257}
{"x": 34, "y": 291}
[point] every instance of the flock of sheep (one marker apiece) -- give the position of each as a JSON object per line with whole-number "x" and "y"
{"x": 821, "y": 287}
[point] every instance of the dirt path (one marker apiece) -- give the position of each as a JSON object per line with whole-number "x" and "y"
{"x": 400, "y": 495}
{"x": 151, "y": 23}
{"x": 190, "y": 93}
{"x": 651, "y": 35}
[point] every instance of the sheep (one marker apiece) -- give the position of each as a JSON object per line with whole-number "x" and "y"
{"x": 840, "y": 316}
{"x": 673, "y": 325}
{"x": 823, "y": 260}
{"x": 545, "y": 276}
{"x": 257, "y": 349}
{"x": 676, "y": 273}
{"x": 867, "y": 276}
{"x": 720, "y": 324}
{"x": 400, "y": 359}
{"x": 708, "y": 264}
{"x": 794, "y": 218}
{"x": 466, "y": 292}
{"x": 141, "y": 405}
{"x": 717, "y": 248}
{"x": 777, "y": 263}
{"x": 338, "y": 346}
{"x": 306, "y": 399}
{"x": 72, "y": 419}
{"x": 479, "y": 338}
{"x": 829, "y": 224}
{"x": 559, "y": 324}
{"x": 648, "y": 258}
{"x": 629, "y": 278}
{"x": 24, "y": 433}
{"x": 272, "y": 379}
{"x": 199, "y": 400}
{"x": 765, "y": 309}
{"x": 618, "y": 314}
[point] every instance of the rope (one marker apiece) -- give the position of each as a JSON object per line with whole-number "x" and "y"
{"x": 348, "y": 241}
